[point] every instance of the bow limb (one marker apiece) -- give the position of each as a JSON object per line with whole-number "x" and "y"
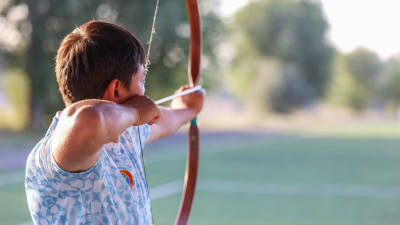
{"x": 194, "y": 144}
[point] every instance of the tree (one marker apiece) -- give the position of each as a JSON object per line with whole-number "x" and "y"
{"x": 356, "y": 79}
{"x": 365, "y": 66}
{"x": 344, "y": 89}
{"x": 392, "y": 82}
{"x": 294, "y": 33}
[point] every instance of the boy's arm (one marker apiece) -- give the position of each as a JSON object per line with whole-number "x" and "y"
{"x": 84, "y": 127}
{"x": 182, "y": 110}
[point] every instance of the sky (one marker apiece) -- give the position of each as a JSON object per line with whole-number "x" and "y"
{"x": 373, "y": 24}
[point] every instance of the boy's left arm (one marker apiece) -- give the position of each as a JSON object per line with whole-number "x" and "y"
{"x": 183, "y": 109}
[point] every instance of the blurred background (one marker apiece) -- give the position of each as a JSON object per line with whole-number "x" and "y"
{"x": 301, "y": 124}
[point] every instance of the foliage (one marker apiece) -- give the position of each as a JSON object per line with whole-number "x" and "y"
{"x": 15, "y": 113}
{"x": 292, "y": 32}
{"x": 392, "y": 81}
{"x": 344, "y": 88}
{"x": 365, "y": 66}
{"x": 356, "y": 79}
{"x": 293, "y": 91}
{"x": 275, "y": 86}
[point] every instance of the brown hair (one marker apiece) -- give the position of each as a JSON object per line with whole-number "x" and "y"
{"x": 91, "y": 56}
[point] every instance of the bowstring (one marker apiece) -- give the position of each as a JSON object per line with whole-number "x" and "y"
{"x": 144, "y": 171}
{"x": 153, "y": 31}
{"x": 146, "y": 69}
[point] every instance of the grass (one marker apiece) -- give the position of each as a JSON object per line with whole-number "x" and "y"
{"x": 309, "y": 161}
{"x": 224, "y": 208}
{"x": 319, "y": 160}
{"x": 13, "y": 206}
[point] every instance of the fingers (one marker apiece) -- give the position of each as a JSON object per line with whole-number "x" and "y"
{"x": 185, "y": 87}
{"x": 145, "y": 109}
{"x": 158, "y": 116}
{"x": 202, "y": 92}
{"x": 182, "y": 88}
{"x": 153, "y": 121}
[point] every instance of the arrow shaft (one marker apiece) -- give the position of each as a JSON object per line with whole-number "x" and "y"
{"x": 185, "y": 92}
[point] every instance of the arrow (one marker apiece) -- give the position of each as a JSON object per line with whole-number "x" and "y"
{"x": 185, "y": 92}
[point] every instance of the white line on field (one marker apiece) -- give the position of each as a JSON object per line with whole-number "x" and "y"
{"x": 27, "y": 223}
{"x": 166, "y": 189}
{"x": 301, "y": 189}
{"x": 225, "y": 147}
{"x": 270, "y": 188}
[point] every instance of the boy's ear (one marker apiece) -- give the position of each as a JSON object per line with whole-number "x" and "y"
{"x": 113, "y": 90}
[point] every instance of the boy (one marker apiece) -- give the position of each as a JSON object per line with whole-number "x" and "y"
{"x": 87, "y": 169}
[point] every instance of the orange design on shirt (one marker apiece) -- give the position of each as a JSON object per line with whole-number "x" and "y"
{"x": 128, "y": 177}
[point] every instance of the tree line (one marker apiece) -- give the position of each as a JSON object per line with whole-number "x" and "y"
{"x": 273, "y": 53}
{"x": 283, "y": 44}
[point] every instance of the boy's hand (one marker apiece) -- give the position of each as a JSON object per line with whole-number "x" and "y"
{"x": 192, "y": 101}
{"x": 145, "y": 110}
{"x": 183, "y": 109}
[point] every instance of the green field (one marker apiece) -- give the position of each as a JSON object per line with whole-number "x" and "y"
{"x": 280, "y": 180}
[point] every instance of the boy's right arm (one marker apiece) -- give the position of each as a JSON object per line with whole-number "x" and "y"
{"x": 84, "y": 127}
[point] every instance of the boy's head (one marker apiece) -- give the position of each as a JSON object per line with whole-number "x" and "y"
{"x": 95, "y": 56}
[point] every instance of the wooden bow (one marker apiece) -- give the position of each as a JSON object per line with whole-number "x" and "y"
{"x": 193, "y": 147}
